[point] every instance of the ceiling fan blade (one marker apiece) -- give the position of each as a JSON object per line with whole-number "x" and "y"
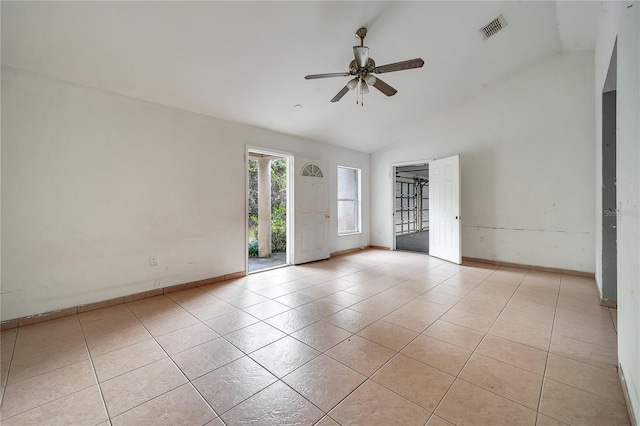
{"x": 384, "y": 87}
{"x": 340, "y": 94}
{"x": 400, "y": 66}
{"x": 332, "y": 74}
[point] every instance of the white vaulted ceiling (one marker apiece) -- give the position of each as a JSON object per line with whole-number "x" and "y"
{"x": 245, "y": 61}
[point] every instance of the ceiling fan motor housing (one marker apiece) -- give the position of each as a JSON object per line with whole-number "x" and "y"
{"x": 362, "y": 55}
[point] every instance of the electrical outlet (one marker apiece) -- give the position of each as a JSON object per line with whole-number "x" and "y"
{"x": 481, "y": 240}
{"x": 153, "y": 260}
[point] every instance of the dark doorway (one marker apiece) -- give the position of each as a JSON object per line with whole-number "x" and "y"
{"x": 609, "y": 202}
{"x": 412, "y": 208}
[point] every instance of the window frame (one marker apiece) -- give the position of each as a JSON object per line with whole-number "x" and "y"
{"x": 358, "y": 200}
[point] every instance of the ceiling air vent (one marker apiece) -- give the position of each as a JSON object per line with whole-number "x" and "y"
{"x": 493, "y": 27}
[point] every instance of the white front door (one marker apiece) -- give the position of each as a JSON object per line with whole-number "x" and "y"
{"x": 444, "y": 209}
{"x": 311, "y": 210}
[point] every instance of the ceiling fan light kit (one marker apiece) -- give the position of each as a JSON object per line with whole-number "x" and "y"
{"x": 364, "y": 88}
{"x": 362, "y": 69}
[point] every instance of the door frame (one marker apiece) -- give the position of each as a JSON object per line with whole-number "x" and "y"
{"x": 290, "y": 204}
{"x": 392, "y": 177}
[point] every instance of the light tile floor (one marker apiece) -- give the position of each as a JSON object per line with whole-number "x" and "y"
{"x": 372, "y": 338}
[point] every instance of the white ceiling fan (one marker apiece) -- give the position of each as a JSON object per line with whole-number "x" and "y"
{"x": 362, "y": 69}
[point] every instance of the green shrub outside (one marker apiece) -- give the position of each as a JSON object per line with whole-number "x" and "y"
{"x": 278, "y": 206}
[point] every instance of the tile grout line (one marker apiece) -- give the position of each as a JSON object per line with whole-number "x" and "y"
{"x": 145, "y": 328}
{"x": 13, "y": 352}
{"x": 570, "y": 358}
{"x": 247, "y": 354}
{"x": 544, "y": 373}
{"x": 548, "y": 346}
{"x": 95, "y": 373}
{"x": 396, "y": 354}
{"x": 324, "y": 353}
{"x": 319, "y": 320}
{"x": 355, "y": 334}
{"x": 369, "y": 378}
{"x": 615, "y": 327}
{"x": 51, "y": 401}
{"x": 580, "y": 389}
{"x": 175, "y": 365}
{"x": 142, "y": 366}
{"x": 59, "y": 368}
{"x": 457, "y": 377}
{"x": 365, "y": 314}
{"x": 449, "y": 308}
{"x": 278, "y": 379}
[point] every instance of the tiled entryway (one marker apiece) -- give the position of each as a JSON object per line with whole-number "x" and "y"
{"x": 372, "y": 338}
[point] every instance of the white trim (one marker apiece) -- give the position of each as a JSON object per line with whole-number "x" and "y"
{"x": 346, "y": 234}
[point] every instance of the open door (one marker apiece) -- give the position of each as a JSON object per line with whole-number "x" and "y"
{"x": 311, "y": 211}
{"x": 444, "y": 209}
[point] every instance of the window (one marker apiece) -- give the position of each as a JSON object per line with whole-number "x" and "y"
{"x": 311, "y": 169}
{"x": 348, "y": 200}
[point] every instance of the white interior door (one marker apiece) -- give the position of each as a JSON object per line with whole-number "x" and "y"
{"x": 311, "y": 210}
{"x": 444, "y": 209}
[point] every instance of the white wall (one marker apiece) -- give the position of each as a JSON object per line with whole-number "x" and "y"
{"x": 526, "y": 166}
{"x": 621, "y": 20}
{"x": 93, "y": 183}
